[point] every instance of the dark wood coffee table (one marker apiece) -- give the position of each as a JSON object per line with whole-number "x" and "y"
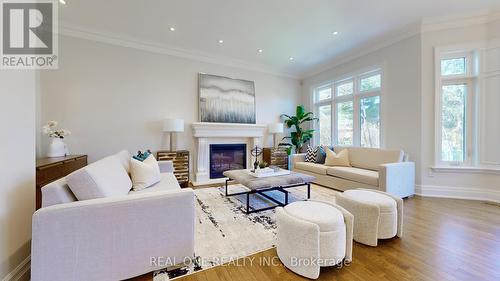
{"x": 260, "y": 186}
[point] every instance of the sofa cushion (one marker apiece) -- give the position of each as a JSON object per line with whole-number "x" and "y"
{"x": 354, "y": 174}
{"x": 327, "y": 217}
{"x": 372, "y": 158}
{"x": 104, "y": 178}
{"x": 311, "y": 167}
{"x": 167, "y": 182}
{"x": 337, "y": 159}
{"x": 385, "y": 203}
{"x": 144, "y": 174}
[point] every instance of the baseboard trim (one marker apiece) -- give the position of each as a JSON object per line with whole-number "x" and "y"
{"x": 478, "y": 194}
{"x": 19, "y": 271}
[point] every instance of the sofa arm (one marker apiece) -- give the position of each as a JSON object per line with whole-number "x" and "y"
{"x": 297, "y": 158}
{"x": 113, "y": 238}
{"x": 397, "y": 178}
{"x": 166, "y": 166}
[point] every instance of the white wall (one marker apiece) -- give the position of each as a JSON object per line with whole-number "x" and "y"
{"x": 401, "y": 94}
{"x": 17, "y": 168}
{"x": 408, "y": 105}
{"x": 460, "y": 185}
{"x": 114, "y": 98}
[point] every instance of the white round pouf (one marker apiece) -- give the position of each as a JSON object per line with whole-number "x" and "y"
{"x": 312, "y": 234}
{"x": 376, "y": 214}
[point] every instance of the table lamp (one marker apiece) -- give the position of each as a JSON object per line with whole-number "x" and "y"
{"x": 172, "y": 126}
{"x": 275, "y": 128}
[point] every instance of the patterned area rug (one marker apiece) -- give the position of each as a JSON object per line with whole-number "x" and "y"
{"x": 225, "y": 233}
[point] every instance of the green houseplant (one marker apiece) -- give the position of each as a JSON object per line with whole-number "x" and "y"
{"x": 300, "y": 136}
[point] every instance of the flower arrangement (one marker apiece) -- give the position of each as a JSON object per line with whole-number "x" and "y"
{"x": 51, "y": 130}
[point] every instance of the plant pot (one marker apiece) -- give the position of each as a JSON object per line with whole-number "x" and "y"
{"x": 57, "y": 148}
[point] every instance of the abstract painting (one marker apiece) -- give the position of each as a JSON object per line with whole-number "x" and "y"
{"x": 226, "y": 100}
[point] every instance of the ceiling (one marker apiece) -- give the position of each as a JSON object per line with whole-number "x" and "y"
{"x": 301, "y": 29}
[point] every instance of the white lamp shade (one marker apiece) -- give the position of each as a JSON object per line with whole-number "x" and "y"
{"x": 173, "y": 125}
{"x": 275, "y": 128}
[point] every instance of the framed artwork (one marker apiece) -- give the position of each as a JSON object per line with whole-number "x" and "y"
{"x": 226, "y": 100}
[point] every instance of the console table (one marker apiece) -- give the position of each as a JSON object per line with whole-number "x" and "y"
{"x": 180, "y": 160}
{"x": 276, "y": 156}
{"x": 54, "y": 168}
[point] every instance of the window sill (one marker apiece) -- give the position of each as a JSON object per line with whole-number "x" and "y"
{"x": 465, "y": 169}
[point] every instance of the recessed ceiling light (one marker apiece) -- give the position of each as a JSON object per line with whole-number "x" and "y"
{"x": 260, "y": 50}
{"x": 291, "y": 58}
{"x": 62, "y": 2}
{"x": 221, "y": 41}
{"x": 172, "y": 28}
{"x": 335, "y": 33}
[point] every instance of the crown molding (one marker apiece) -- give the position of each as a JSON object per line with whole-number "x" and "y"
{"x": 426, "y": 25}
{"x": 368, "y": 47}
{"x": 122, "y": 40}
{"x": 459, "y": 21}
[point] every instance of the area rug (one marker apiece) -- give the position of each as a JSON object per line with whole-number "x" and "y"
{"x": 225, "y": 233}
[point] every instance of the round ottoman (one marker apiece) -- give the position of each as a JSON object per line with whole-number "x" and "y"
{"x": 377, "y": 215}
{"x": 312, "y": 234}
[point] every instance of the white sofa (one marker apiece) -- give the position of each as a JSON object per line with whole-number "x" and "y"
{"x": 112, "y": 238}
{"x": 380, "y": 169}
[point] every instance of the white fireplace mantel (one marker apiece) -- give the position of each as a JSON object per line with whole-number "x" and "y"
{"x": 222, "y": 133}
{"x": 207, "y": 130}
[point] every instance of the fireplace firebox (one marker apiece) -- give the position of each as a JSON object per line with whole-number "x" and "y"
{"x": 224, "y": 157}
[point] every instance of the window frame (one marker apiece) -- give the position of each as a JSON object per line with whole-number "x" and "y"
{"x": 469, "y": 79}
{"x": 355, "y": 97}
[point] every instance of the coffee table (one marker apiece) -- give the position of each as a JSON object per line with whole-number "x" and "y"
{"x": 271, "y": 183}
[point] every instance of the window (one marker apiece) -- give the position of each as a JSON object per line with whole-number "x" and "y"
{"x": 453, "y": 120}
{"x": 369, "y": 112}
{"x": 455, "y": 104}
{"x": 325, "y": 130}
{"x": 455, "y": 66}
{"x": 349, "y": 115}
{"x": 345, "y": 123}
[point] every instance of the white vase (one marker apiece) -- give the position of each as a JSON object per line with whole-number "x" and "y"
{"x": 57, "y": 148}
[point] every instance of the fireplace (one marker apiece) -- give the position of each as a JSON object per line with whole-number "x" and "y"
{"x": 224, "y": 157}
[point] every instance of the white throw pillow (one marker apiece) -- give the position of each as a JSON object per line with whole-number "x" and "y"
{"x": 144, "y": 174}
{"x": 104, "y": 178}
{"x": 334, "y": 159}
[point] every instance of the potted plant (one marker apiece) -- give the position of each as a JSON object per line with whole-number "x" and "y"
{"x": 300, "y": 136}
{"x": 57, "y": 147}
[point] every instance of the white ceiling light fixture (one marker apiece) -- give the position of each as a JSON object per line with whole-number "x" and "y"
{"x": 62, "y": 2}
{"x": 221, "y": 41}
{"x": 291, "y": 58}
{"x": 172, "y": 28}
{"x": 260, "y": 51}
{"x": 335, "y": 33}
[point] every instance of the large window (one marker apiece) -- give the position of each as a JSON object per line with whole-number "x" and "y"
{"x": 455, "y": 104}
{"x": 349, "y": 110}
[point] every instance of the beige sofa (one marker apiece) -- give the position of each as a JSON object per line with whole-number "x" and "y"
{"x": 379, "y": 169}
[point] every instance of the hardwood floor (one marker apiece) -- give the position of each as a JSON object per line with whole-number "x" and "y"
{"x": 443, "y": 239}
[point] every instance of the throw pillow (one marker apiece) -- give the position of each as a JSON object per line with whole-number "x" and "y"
{"x": 334, "y": 159}
{"x": 144, "y": 174}
{"x": 321, "y": 155}
{"x": 310, "y": 154}
{"x": 104, "y": 178}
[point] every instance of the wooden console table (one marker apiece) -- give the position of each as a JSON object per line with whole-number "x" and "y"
{"x": 52, "y": 169}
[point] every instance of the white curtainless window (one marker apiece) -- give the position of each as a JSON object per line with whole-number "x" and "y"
{"x": 349, "y": 110}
